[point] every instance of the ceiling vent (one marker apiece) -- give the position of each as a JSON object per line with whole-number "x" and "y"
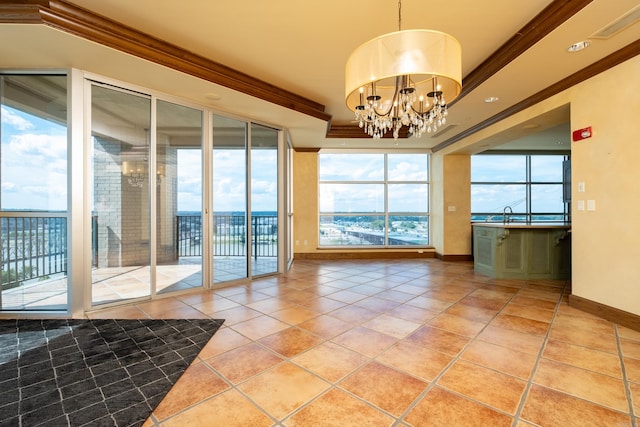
{"x": 626, "y": 20}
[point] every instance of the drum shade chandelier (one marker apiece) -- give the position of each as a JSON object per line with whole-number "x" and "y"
{"x": 404, "y": 78}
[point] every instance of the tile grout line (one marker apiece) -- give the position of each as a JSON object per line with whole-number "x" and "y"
{"x": 625, "y": 379}
{"x": 432, "y": 384}
{"x": 525, "y": 393}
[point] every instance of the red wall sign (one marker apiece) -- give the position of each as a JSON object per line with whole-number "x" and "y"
{"x": 580, "y": 134}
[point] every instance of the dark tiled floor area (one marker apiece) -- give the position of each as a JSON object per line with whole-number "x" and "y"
{"x": 92, "y": 372}
{"x": 399, "y": 343}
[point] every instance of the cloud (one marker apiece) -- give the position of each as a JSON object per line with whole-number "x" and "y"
{"x": 14, "y": 120}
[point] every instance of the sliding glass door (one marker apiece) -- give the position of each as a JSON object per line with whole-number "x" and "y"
{"x": 121, "y": 233}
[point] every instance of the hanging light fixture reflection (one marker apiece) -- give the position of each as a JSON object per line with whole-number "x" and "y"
{"x": 404, "y": 78}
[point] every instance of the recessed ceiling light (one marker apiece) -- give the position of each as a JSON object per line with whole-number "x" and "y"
{"x": 491, "y": 99}
{"x": 576, "y": 47}
{"x": 211, "y": 96}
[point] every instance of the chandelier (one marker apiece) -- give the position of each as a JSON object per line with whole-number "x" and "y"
{"x": 137, "y": 172}
{"x": 404, "y": 78}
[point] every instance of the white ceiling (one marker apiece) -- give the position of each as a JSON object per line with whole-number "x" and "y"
{"x": 302, "y": 46}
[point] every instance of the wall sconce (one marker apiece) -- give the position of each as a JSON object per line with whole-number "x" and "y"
{"x": 137, "y": 172}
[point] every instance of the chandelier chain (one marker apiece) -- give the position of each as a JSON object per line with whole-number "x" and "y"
{"x": 399, "y": 15}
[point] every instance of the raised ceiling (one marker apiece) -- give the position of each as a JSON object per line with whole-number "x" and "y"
{"x": 294, "y": 52}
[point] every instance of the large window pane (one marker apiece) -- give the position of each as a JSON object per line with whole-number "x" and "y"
{"x": 33, "y": 195}
{"x": 351, "y": 167}
{"x": 408, "y": 230}
{"x": 342, "y": 198}
{"x": 498, "y": 168}
{"x": 178, "y": 197}
{"x": 546, "y": 168}
{"x": 264, "y": 200}
{"x": 408, "y": 198}
{"x": 408, "y": 167}
{"x": 546, "y": 198}
{"x": 348, "y": 230}
{"x": 229, "y": 199}
{"x": 121, "y": 219}
{"x": 487, "y": 198}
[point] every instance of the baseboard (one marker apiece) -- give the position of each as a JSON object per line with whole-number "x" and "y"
{"x": 621, "y": 317}
{"x": 362, "y": 255}
{"x": 454, "y": 258}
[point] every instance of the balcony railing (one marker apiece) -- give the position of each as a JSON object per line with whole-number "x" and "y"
{"x": 34, "y": 245}
{"x": 229, "y": 235}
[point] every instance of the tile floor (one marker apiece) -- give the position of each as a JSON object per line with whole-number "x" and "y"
{"x": 399, "y": 343}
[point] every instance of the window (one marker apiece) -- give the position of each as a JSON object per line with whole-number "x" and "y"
{"x": 374, "y": 199}
{"x": 530, "y": 184}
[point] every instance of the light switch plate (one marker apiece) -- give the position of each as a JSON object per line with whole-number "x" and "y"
{"x": 591, "y": 205}
{"x": 580, "y": 205}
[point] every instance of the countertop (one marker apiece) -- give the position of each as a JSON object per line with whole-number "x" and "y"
{"x": 517, "y": 224}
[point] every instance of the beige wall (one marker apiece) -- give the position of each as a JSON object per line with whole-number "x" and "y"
{"x": 606, "y": 242}
{"x": 305, "y": 202}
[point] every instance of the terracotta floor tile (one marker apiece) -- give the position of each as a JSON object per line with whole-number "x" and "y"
{"x": 353, "y": 314}
{"x": 630, "y": 348}
{"x": 477, "y": 314}
{"x": 418, "y": 361}
{"x": 440, "y": 408}
{"x": 326, "y": 326}
{"x": 493, "y": 388}
{"x": 399, "y": 392}
{"x": 413, "y": 289}
{"x": 503, "y": 359}
{"x": 491, "y": 294}
{"x": 413, "y": 314}
{"x": 582, "y": 357}
{"x": 330, "y": 361}
{"x": 520, "y": 324}
{"x": 198, "y": 382}
{"x": 584, "y": 338}
{"x": 438, "y": 339}
{"x": 294, "y": 315}
{"x": 397, "y": 296}
{"x": 447, "y": 294}
{"x": 488, "y": 304}
{"x": 632, "y": 369}
{"x": 338, "y": 409}
{"x": 368, "y": 289}
{"x": 365, "y": 341}
{"x": 259, "y": 327}
{"x": 244, "y": 362}
{"x": 635, "y": 396}
{"x": 269, "y": 305}
{"x": 540, "y": 294}
{"x": 597, "y": 326}
{"x": 248, "y": 297}
{"x": 392, "y": 326}
{"x": 211, "y": 307}
{"x": 457, "y": 324}
{"x": 238, "y": 314}
{"x": 528, "y": 312}
{"x": 546, "y": 407}
{"x": 283, "y": 389}
{"x": 322, "y": 304}
{"x": 346, "y": 296}
{"x": 290, "y": 342}
{"x": 124, "y": 312}
{"x": 429, "y": 303}
{"x": 598, "y": 388}
{"x": 377, "y": 304}
{"x": 224, "y": 339}
{"x": 627, "y": 333}
{"x": 512, "y": 339}
{"x": 159, "y": 306}
{"x": 227, "y": 409}
{"x": 534, "y": 302}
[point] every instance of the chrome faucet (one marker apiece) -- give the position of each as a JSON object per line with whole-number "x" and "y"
{"x": 506, "y": 219}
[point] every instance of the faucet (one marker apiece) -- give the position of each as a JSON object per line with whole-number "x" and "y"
{"x": 506, "y": 219}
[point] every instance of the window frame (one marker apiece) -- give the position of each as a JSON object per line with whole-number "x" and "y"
{"x": 386, "y": 215}
{"x": 525, "y": 215}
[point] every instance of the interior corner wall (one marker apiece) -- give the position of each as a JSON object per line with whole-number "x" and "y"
{"x": 305, "y": 202}
{"x": 605, "y": 249}
{"x": 436, "y": 203}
